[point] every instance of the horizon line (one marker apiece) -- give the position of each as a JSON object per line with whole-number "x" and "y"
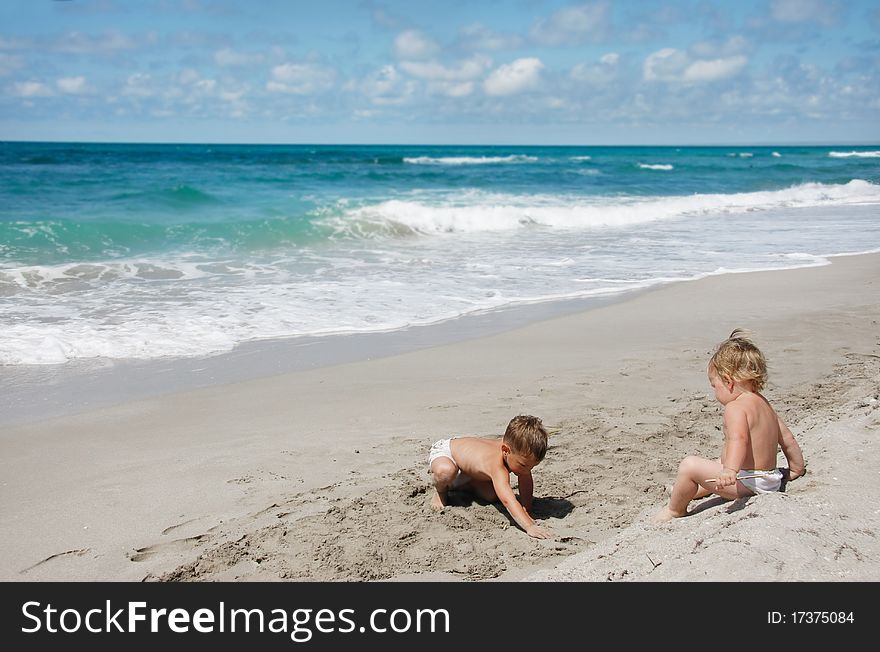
{"x": 805, "y": 143}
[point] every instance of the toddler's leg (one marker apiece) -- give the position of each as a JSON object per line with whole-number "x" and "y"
{"x": 445, "y": 471}
{"x": 690, "y": 483}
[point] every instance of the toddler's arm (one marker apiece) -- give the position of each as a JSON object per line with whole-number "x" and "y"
{"x": 736, "y": 442}
{"x": 792, "y": 451}
{"x": 526, "y": 491}
{"x": 501, "y": 484}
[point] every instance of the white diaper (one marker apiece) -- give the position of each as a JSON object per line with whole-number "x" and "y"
{"x": 442, "y": 448}
{"x": 767, "y": 482}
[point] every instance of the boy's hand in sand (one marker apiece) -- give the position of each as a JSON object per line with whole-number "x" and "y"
{"x": 539, "y": 532}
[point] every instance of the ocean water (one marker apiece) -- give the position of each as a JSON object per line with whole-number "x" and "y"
{"x": 148, "y": 251}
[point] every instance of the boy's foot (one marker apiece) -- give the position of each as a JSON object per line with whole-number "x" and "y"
{"x": 437, "y": 503}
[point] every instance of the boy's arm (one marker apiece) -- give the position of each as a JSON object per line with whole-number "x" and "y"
{"x": 792, "y": 451}
{"x": 736, "y": 435}
{"x": 526, "y": 489}
{"x": 501, "y": 484}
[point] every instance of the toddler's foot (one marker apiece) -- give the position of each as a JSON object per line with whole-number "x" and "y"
{"x": 666, "y": 514}
{"x": 438, "y": 502}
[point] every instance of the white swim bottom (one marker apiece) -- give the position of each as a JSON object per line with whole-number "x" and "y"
{"x": 766, "y": 482}
{"x": 442, "y": 448}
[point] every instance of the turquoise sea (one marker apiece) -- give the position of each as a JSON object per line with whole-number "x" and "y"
{"x": 145, "y": 251}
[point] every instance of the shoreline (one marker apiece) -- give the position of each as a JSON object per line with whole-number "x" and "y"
{"x": 82, "y": 385}
{"x": 206, "y": 483}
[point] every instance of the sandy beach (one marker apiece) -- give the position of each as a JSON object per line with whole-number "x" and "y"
{"x": 320, "y": 474}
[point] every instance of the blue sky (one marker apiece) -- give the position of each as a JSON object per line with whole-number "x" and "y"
{"x": 426, "y": 71}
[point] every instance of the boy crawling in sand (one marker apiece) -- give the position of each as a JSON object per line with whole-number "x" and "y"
{"x": 752, "y": 430}
{"x": 483, "y": 467}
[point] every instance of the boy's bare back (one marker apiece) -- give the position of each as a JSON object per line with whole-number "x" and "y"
{"x": 478, "y": 457}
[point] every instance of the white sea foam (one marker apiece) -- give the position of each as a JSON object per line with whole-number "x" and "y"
{"x": 58, "y": 278}
{"x": 485, "y": 212}
{"x": 658, "y": 166}
{"x": 776, "y": 155}
{"x": 469, "y": 160}
{"x": 581, "y": 158}
{"x": 854, "y": 154}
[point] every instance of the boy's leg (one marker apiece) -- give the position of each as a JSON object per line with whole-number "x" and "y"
{"x": 444, "y": 471}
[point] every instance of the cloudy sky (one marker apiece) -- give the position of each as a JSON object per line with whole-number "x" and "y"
{"x": 441, "y": 71}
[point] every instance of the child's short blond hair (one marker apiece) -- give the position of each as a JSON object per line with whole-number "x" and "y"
{"x": 737, "y": 358}
{"x": 526, "y": 435}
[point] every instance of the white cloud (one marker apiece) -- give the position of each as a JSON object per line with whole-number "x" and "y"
{"x": 702, "y": 71}
{"x": 300, "y": 79}
{"x": 383, "y": 81}
{"x": 233, "y": 95}
{"x": 516, "y": 77}
{"x": 573, "y": 25}
{"x": 667, "y": 64}
{"x": 184, "y": 92}
{"x": 431, "y": 70}
{"x": 229, "y": 57}
{"x": 72, "y": 85}
{"x": 413, "y": 44}
{"x": 31, "y": 89}
{"x": 387, "y": 86}
{"x": 672, "y": 65}
{"x": 596, "y": 73}
{"x": 610, "y": 59}
{"x": 452, "y": 89}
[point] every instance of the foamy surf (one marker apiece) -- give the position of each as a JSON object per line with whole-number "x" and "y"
{"x": 655, "y": 166}
{"x": 854, "y": 154}
{"x": 487, "y": 212}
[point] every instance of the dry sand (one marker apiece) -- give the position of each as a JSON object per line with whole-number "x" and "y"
{"x": 320, "y": 475}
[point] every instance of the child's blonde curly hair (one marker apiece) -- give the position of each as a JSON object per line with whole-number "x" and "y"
{"x": 737, "y": 358}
